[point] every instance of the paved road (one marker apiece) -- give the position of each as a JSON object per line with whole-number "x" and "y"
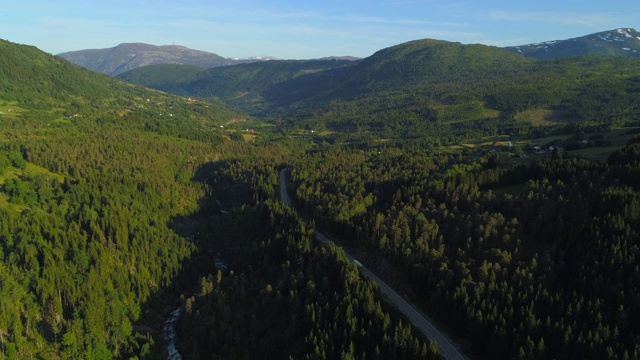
{"x": 446, "y": 346}
{"x": 284, "y": 197}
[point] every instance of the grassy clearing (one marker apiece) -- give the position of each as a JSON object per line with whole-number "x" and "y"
{"x": 33, "y": 169}
{"x": 613, "y": 140}
{"x": 4, "y": 201}
{"x": 9, "y": 109}
{"x": 264, "y": 125}
{"x": 542, "y": 117}
{"x": 596, "y": 153}
{"x": 488, "y": 112}
{"x": 248, "y": 137}
{"x": 5, "y": 204}
{"x": 10, "y": 173}
{"x": 30, "y": 170}
{"x": 617, "y": 139}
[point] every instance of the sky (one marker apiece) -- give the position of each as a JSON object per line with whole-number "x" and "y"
{"x": 303, "y": 29}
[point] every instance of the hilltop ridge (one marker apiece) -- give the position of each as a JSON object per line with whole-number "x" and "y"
{"x": 618, "y": 42}
{"x": 128, "y": 56}
{"x": 624, "y": 42}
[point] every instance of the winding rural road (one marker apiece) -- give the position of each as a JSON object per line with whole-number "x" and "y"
{"x": 446, "y": 346}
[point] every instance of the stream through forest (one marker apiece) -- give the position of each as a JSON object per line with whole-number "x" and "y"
{"x": 169, "y": 334}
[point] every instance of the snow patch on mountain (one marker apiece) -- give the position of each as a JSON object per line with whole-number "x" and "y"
{"x": 626, "y": 34}
{"x": 613, "y": 42}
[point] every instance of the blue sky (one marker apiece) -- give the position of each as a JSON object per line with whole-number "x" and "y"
{"x": 301, "y": 29}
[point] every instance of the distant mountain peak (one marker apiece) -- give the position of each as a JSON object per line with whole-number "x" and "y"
{"x": 258, "y": 58}
{"x": 616, "y": 42}
{"x": 128, "y": 56}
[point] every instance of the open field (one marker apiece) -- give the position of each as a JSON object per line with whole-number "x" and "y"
{"x": 10, "y": 109}
{"x": 541, "y": 116}
{"x": 612, "y": 140}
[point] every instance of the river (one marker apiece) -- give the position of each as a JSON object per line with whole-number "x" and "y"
{"x": 169, "y": 334}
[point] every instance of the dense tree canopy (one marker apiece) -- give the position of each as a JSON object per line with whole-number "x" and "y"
{"x": 534, "y": 260}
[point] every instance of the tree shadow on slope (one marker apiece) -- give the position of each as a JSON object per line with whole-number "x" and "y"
{"x": 259, "y": 286}
{"x": 219, "y": 229}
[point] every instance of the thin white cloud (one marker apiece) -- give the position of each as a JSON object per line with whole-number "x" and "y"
{"x": 584, "y": 19}
{"x": 416, "y": 2}
{"x": 297, "y": 15}
{"x": 458, "y": 35}
{"x": 388, "y": 21}
{"x": 504, "y": 42}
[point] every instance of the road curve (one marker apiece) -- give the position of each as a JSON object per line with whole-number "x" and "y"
{"x": 446, "y": 346}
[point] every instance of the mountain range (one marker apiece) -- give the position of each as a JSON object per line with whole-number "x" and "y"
{"x": 617, "y": 42}
{"x": 128, "y": 56}
{"x": 431, "y": 85}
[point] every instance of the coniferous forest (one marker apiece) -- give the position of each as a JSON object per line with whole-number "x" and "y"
{"x": 509, "y": 211}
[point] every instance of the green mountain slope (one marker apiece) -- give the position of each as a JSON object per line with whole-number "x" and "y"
{"x": 286, "y": 82}
{"x": 432, "y": 87}
{"x": 111, "y": 199}
{"x": 166, "y": 77}
{"x": 31, "y": 76}
{"x": 420, "y": 87}
{"x": 416, "y": 62}
{"x": 92, "y": 171}
{"x": 49, "y": 88}
{"x": 242, "y": 85}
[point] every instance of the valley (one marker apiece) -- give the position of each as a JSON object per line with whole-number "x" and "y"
{"x": 498, "y": 193}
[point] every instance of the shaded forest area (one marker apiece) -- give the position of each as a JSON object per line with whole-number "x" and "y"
{"x": 523, "y": 261}
{"x": 100, "y": 244}
{"x": 286, "y": 297}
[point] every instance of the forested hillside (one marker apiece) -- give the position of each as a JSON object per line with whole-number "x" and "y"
{"x": 92, "y": 171}
{"x": 535, "y": 260}
{"x": 167, "y": 77}
{"x": 428, "y": 87}
{"x": 114, "y": 202}
{"x": 243, "y": 85}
